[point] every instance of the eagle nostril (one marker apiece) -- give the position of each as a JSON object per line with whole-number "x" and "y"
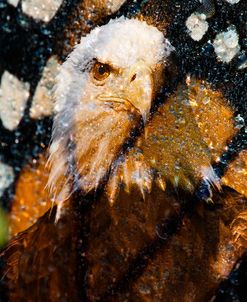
{"x": 133, "y": 78}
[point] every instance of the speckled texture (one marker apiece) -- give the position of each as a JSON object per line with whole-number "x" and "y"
{"x": 37, "y": 41}
{"x": 41, "y": 10}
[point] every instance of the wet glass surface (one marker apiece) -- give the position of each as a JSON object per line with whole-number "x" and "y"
{"x": 123, "y": 166}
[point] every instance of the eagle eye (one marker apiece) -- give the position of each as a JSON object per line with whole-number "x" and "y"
{"x": 101, "y": 71}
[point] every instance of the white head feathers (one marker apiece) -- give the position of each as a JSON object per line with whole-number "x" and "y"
{"x": 121, "y": 43}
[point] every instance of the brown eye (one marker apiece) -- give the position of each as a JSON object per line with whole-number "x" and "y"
{"x": 101, "y": 71}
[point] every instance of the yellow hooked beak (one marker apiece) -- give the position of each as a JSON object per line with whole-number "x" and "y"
{"x": 134, "y": 88}
{"x": 139, "y": 85}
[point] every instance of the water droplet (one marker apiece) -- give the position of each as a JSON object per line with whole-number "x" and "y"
{"x": 239, "y": 122}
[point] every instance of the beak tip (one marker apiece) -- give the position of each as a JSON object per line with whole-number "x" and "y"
{"x": 145, "y": 115}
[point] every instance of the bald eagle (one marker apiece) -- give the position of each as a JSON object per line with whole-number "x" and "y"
{"x": 105, "y": 99}
{"x": 105, "y": 88}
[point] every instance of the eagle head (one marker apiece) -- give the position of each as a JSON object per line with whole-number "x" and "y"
{"x": 104, "y": 89}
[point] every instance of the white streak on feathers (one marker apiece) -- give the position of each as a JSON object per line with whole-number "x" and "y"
{"x": 122, "y": 42}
